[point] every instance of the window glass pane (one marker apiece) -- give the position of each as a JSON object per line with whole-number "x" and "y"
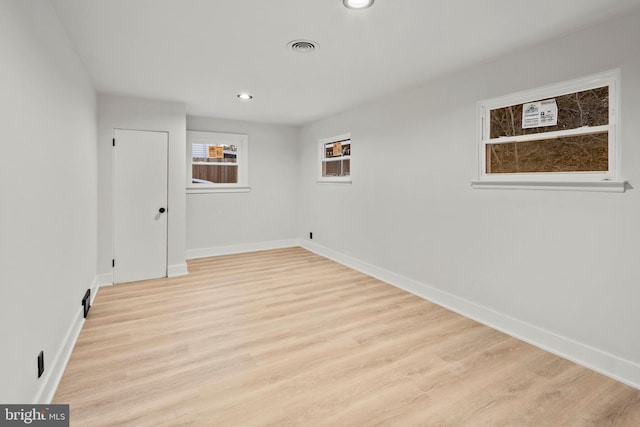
{"x": 218, "y": 174}
{"x": 328, "y": 151}
{"x": 332, "y": 168}
{"x": 346, "y": 167}
{"x": 575, "y": 110}
{"x": 337, "y": 149}
{"x": 337, "y": 168}
{"x": 199, "y": 151}
{"x": 583, "y": 153}
{"x": 214, "y": 153}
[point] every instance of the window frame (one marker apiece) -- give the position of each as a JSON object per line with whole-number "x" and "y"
{"x": 322, "y": 159}
{"x": 609, "y": 180}
{"x": 242, "y": 162}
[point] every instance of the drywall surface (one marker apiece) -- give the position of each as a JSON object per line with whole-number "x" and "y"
{"x": 121, "y": 112}
{"x": 268, "y": 212}
{"x": 48, "y": 194}
{"x": 562, "y": 261}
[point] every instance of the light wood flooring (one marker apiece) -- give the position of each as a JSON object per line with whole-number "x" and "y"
{"x": 288, "y": 338}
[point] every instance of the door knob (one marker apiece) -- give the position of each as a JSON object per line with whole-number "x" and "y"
{"x": 162, "y": 210}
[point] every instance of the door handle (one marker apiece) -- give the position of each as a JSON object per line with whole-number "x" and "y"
{"x": 162, "y": 210}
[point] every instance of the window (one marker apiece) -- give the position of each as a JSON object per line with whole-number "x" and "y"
{"x": 335, "y": 159}
{"x": 562, "y": 136}
{"x": 218, "y": 162}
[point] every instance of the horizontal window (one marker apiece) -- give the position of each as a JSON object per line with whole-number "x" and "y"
{"x": 218, "y": 161}
{"x": 335, "y": 159}
{"x": 561, "y": 133}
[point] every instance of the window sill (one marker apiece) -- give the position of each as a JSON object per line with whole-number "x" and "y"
{"x": 209, "y": 190}
{"x": 335, "y": 182}
{"x": 603, "y": 186}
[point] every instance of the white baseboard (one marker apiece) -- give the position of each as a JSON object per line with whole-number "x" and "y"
{"x": 237, "y": 249}
{"x": 177, "y": 270}
{"x": 94, "y": 289}
{"x": 598, "y": 360}
{"x": 58, "y": 364}
{"x": 105, "y": 279}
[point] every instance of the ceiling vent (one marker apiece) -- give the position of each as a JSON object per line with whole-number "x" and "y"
{"x": 303, "y": 46}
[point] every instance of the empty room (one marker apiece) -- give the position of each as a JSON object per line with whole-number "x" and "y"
{"x": 319, "y": 213}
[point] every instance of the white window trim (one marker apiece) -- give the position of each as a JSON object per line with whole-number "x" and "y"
{"x": 586, "y": 181}
{"x": 344, "y": 180}
{"x": 241, "y": 141}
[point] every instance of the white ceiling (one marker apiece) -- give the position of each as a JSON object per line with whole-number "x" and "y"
{"x": 204, "y": 52}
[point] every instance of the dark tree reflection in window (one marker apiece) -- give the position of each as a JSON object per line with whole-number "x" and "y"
{"x": 580, "y": 153}
{"x": 575, "y": 110}
{"x": 583, "y": 153}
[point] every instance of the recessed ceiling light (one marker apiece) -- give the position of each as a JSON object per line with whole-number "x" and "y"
{"x": 245, "y": 96}
{"x": 357, "y": 4}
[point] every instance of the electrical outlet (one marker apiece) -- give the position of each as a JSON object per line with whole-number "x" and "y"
{"x": 86, "y": 302}
{"x": 40, "y": 364}
{"x": 310, "y": 236}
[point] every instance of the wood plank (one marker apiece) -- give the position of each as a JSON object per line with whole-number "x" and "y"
{"x": 286, "y": 337}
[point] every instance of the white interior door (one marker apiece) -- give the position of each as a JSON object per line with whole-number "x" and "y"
{"x": 140, "y": 205}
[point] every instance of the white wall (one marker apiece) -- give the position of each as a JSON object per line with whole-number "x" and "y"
{"x": 262, "y": 218}
{"x": 48, "y": 194}
{"x": 122, "y": 112}
{"x": 564, "y": 263}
